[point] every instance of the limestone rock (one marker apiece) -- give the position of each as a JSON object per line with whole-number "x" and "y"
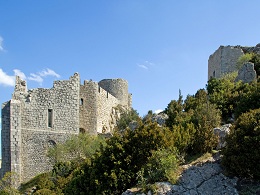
{"x": 222, "y": 132}
{"x": 160, "y": 118}
{"x": 201, "y": 178}
{"x": 247, "y": 73}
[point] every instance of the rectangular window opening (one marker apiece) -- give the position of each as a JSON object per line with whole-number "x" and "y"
{"x": 81, "y": 102}
{"x": 50, "y": 118}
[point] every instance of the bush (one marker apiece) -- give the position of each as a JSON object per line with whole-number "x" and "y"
{"x": 44, "y": 192}
{"x": 162, "y": 166}
{"x": 78, "y": 148}
{"x": 242, "y": 154}
{"x": 114, "y": 168}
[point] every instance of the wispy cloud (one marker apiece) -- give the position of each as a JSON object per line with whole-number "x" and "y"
{"x": 9, "y": 80}
{"x": 36, "y": 78}
{"x": 20, "y": 74}
{"x": 5, "y": 79}
{"x": 1, "y": 44}
{"x": 48, "y": 72}
{"x": 145, "y": 65}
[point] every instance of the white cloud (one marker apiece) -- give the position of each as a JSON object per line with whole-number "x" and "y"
{"x": 48, "y": 72}
{"x": 5, "y": 79}
{"x": 36, "y": 78}
{"x": 143, "y": 66}
{"x": 1, "y": 44}
{"x": 20, "y": 74}
{"x": 9, "y": 80}
{"x": 158, "y": 111}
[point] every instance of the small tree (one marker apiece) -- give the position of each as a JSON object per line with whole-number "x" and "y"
{"x": 6, "y": 184}
{"x": 242, "y": 154}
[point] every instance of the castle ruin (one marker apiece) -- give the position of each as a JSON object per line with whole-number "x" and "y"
{"x": 224, "y": 60}
{"x": 35, "y": 120}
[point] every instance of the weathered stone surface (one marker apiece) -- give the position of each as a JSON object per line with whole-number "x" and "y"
{"x": 222, "y": 132}
{"x": 202, "y": 178}
{"x": 160, "y": 118}
{"x": 205, "y": 178}
{"x": 223, "y": 60}
{"x": 247, "y": 73}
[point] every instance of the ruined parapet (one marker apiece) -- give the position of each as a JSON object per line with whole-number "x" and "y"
{"x": 223, "y": 61}
{"x": 118, "y": 88}
{"x": 20, "y": 88}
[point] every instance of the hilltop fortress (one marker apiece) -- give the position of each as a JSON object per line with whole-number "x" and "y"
{"x": 35, "y": 120}
{"x": 224, "y": 60}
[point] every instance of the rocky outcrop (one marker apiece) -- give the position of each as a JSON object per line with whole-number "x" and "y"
{"x": 160, "y": 118}
{"x": 247, "y": 73}
{"x": 202, "y": 178}
{"x": 222, "y": 132}
{"x": 205, "y": 178}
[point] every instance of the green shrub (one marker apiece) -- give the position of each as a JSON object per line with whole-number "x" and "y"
{"x": 114, "y": 167}
{"x": 44, "y": 192}
{"x": 242, "y": 153}
{"x": 161, "y": 166}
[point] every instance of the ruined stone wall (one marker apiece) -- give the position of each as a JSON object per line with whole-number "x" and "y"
{"x": 5, "y": 137}
{"x": 88, "y": 106}
{"x": 35, "y": 149}
{"x": 49, "y": 117}
{"x": 223, "y": 60}
{"x": 105, "y": 104}
{"x": 37, "y": 118}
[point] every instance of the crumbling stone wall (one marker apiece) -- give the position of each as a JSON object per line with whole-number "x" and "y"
{"x": 98, "y": 102}
{"x": 29, "y": 128}
{"x": 223, "y": 60}
{"x": 106, "y": 102}
{"x": 35, "y": 120}
{"x": 88, "y": 107}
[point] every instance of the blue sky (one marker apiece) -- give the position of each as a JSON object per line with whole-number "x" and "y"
{"x": 158, "y": 46}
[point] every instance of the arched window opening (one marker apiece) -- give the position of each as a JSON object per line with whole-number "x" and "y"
{"x": 82, "y": 130}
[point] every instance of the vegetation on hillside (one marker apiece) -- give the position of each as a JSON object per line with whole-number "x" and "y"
{"x": 150, "y": 152}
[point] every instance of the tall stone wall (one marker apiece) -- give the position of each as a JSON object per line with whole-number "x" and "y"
{"x": 223, "y": 60}
{"x": 39, "y": 118}
{"x": 105, "y": 104}
{"x": 5, "y": 137}
{"x": 88, "y": 106}
{"x": 49, "y": 116}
